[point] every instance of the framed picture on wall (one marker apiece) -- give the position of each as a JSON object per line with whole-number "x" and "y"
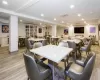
{"x": 92, "y": 29}
{"x": 5, "y": 29}
{"x": 65, "y": 31}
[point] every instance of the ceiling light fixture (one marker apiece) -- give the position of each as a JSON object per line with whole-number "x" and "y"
{"x": 42, "y": 15}
{"x": 55, "y": 19}
{"x": 91, "y": 12}
{"x": 4, "y": 2}
{"x": 82, "y": 19}
{"x": 79, "y": 15}
{"x": 20, "y": 20}
{"x": 62, "y": 21}
{"x": 72, "y": 6}
{"x": 71, "y": 25}
{"x": 85, "y": 22}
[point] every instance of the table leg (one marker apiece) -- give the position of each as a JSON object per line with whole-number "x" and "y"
{"x": 53, "y": 72}
{"x": 52, "y": 65}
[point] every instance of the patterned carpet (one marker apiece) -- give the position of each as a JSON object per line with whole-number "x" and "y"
{"x": 12, "y": 66}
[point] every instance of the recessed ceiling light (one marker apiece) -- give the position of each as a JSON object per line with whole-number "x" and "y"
{"x": 82, "y": 19}
{"x": 91, "y": 12}
{"x": 20, "y": 20}
{"x": 72, "y": 6}
{"x": 79, "y": 15}
{"x": 55, "y": 19}
{"x": 4, "y": 2}
{"x": 62, "y": 21}
{"x": 42, "y": 15}
{"x": 85, "y": 22}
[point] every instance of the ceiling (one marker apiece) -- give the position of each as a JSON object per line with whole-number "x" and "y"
{"x": 59, "y": 9}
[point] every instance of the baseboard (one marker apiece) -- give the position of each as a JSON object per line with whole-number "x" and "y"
{"x": 14, "y": 52}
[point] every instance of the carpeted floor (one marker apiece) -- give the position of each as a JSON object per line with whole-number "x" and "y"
{"x": 12, "y": 66}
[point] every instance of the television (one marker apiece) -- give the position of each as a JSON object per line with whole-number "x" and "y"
{"x": 78, "y": 29}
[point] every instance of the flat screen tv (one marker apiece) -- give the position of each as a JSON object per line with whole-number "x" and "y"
{"x": 78, "y": 29}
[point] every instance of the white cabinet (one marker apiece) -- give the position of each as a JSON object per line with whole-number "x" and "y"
{"x": 4, "y": 41}
{"x": 31, "y": 30}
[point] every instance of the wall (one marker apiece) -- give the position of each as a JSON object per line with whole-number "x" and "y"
{"x": 50, "y": 30}
{"x": 60, "y": 31}
{"x": 86, "y": 31}
{"x": 21, "y": 30}
{"x": 3, "y": 34}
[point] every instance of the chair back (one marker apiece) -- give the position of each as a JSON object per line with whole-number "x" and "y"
{"x": 37, "y": 45}
{"x": 89, "y": 46}
{"x": 87, "y": 59}
{"x": 31, "y": 67}
{"x": 48, "y": 39}
{"x": 44, "y": 42}
{"x": 84, "y": 40}
{"x": 28, "y": 44}
{"x": 63, "y": 44}
{"x": 72, "y": 45}
{"x": 93, "y": 40}
{"x": 88, "y": 68}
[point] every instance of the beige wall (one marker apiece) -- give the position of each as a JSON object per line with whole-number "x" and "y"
{"x": 50, "y": 30}
{"x": 21, "y": 30}
{"x": 60, "y": 31}
{"x": 86, "y": 31}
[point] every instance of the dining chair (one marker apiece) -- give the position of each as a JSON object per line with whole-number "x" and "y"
{"x": 63, "y": 44}
{"x": 28, "y": 44}
{"x": 77, "y": 72}
{"x": 86, "y": 48}
{"x": 94, "y": 42}
{"x": 74, "y": 47}
{"x": 48, "y": 38}
{"x": 36, "y": 71}
{"x": 21, "y": 42}
{"x": 44, "y": 42}
{"x": 84, "y": 60}
{"x": 37, "y": 45}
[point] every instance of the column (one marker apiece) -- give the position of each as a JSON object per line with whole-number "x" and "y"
{"x": 13, "y": 34}
{"x": 54, "y": 30}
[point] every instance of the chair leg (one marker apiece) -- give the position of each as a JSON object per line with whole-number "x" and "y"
{"x": 86, "y": 53}
{"x": 28, "y": 78}
{"x": 65, "y": 77}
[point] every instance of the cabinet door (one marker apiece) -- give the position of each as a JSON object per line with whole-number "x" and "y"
{"x": 4, "y": 41}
